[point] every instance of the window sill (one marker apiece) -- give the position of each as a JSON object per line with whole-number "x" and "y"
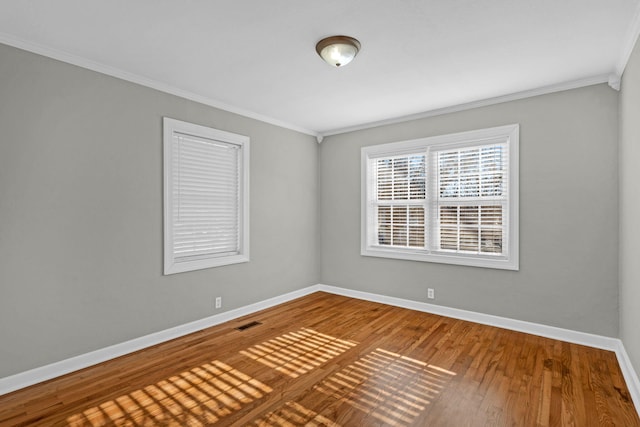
{"x": 180, "y": 267}
{"x": 496, "y": 262}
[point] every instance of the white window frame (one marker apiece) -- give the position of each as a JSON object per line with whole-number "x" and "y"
{"x": 172, "y": 264}
{"x": 508, "y": 134}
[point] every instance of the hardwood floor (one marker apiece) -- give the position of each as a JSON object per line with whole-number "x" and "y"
{"x": 328, "y": 360}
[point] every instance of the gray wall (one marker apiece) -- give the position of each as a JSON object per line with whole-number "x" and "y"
{"x": 81, "y": 213}
{"x": 630, "y": 208}
{"x": 568, "y": 215}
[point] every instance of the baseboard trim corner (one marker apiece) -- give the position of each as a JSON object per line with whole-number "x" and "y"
{"x": 629, "y": 374}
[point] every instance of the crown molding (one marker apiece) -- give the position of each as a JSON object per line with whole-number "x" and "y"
{"x": 574, "y": 84}
{"x": 613, "y": 80}
{"x": 631, "y": 36}
{"x": 143, "y": 81}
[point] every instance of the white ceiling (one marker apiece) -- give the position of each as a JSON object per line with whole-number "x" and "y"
{"x": 257, "y": 57}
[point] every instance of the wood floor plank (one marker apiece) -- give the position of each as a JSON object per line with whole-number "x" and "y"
{"x": 328, "y": 360}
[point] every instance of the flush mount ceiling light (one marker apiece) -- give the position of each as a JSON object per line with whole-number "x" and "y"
{"x": 338, "y": 50}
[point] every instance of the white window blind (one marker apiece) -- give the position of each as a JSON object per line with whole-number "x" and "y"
{"x": 471, "y": 201}
{"x": 400, "y": 200}
{"x": 450, "y": 199}
{"x": 205, "y": 197}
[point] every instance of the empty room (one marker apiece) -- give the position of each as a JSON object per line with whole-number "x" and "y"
{"x": 337, "y": 213}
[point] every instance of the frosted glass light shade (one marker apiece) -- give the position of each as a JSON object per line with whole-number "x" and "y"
{"x": 338, "y": 50}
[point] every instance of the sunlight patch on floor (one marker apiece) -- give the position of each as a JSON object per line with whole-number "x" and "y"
{"x": 293, "y": 414}
{"x": 392, "y": 388}
{"x": 198, "y": 397}
{"x": 297, "y": 353}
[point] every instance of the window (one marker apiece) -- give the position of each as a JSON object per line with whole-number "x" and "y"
{"x": 206, "y": 197}
{"x": 449, "y": 199}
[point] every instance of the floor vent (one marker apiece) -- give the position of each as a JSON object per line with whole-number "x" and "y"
{"x": 248, "y": 325}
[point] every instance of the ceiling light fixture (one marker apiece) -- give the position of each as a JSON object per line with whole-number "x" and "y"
{"x": 338, "y": 50}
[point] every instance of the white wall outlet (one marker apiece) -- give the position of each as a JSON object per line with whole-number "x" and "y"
{"x": 431, "y": 293}
{"x": 218, "y": 302}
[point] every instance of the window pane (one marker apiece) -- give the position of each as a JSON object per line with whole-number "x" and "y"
{"x": 417, "y": 177}
{"x": 492, "y": 167}
{"x": 449, "y": 215}
{"x": 416, "y": 226}
{"x": 399, "y": 218}
{"x": 491, "y": 241}
{"x": 473, "y": 172}
{"x": 401, "y": 178}
{"x": 385, "y": 179}
{"x": 470, "y": 173}
{"x": 449, "y": 238}
{"x": 416, "y": 215}
{"x": 384, "y": 225}
{"x": 469, "y": 239}
{"x": 416, "y": 237}
{"x": 491, "y": 215}
{"x": 401, "y": 226}
{"x": 469, "y": 215}
{"x": 448, "y": 174}
{"x": 471, "y": 228}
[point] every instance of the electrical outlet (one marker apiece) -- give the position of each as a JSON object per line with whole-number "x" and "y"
{"x": 218, "y": 302}
{"x": 431, "y": 293}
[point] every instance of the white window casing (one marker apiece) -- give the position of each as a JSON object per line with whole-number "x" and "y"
{"x": 206, "y": 197}
{"x": 448, "y": 199}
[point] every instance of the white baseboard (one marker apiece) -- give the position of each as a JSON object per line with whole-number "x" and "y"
{"x": 37, "y": 375}
{"x": 56, "y": 369}
{"x": 575, "y": 337}
{"x": 582, "y": 338}
{"x": 629, "y": 374}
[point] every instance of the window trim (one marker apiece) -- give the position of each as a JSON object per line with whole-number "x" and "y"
{"x": 170, "y": 127}
{"x": 508, "y": 134}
